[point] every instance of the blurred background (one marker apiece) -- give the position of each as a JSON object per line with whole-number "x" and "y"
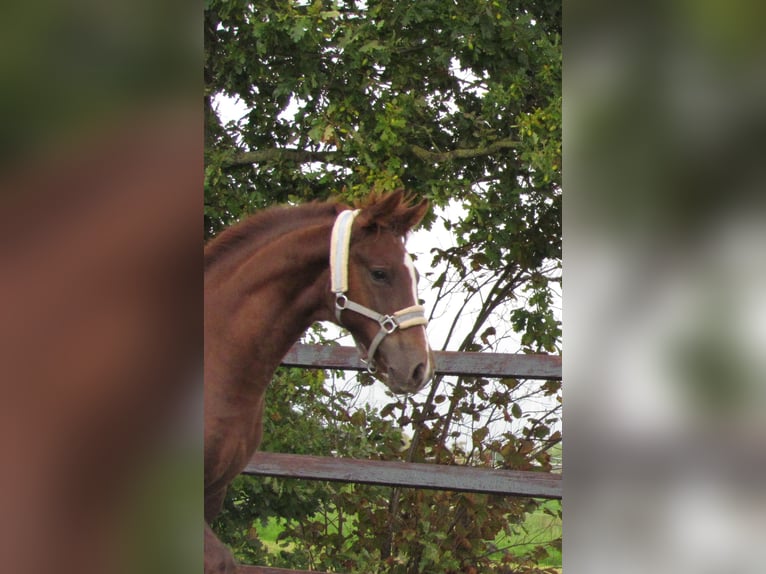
{"x": 665, "y": 292}
{"x": 101, "y": 289}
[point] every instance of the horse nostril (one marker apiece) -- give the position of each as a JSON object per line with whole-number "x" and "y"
{"x": 419, "y": 373}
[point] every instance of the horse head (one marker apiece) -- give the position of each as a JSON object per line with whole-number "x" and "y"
{"x": 375, "y": 290}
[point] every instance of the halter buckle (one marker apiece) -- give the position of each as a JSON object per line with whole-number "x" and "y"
{"x": 388, "y": 324}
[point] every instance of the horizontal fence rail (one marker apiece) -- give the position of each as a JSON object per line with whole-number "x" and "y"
{"x": 545, "y": 367}
{"x": 407, "y": 474}
{"x": 418, "y": 475}
{"x": 245, "y": 569}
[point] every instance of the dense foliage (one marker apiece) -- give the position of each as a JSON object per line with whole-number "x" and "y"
{"x": 459, "y": 102}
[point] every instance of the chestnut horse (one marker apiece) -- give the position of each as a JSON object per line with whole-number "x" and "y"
{"x": 267, "y": 279}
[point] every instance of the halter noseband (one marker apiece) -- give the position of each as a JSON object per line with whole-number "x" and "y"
{"x": 339, "y": 249}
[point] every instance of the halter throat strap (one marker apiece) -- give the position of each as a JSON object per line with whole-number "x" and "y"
{"x": 340, "y": 242}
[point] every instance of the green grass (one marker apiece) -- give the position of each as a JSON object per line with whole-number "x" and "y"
{"x": 538, "y": 528}
{"x": 268, "y": 534}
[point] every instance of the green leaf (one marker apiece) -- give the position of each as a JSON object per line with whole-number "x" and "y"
{"x": 479, "y": 435}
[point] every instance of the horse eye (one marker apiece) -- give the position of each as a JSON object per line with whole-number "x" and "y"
{"x": 379, "y": 274}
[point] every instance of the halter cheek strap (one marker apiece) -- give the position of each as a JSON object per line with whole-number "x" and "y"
{"x": 339, "y": 249}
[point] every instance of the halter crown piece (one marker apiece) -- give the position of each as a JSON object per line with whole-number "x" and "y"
{"x": 339, "y": 249}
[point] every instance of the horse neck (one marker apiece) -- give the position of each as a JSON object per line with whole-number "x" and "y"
{"x": 258, "y": 306}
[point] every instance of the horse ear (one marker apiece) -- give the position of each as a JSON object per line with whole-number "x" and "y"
{"x": 380, "y": 208}
{"x": 413, "y": 215}
{"x": 393, "y": 211}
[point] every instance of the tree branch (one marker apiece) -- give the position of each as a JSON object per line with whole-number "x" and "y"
{"x": 461, "y": 153}
{"x": 334, "y": 157}
{"x": 286, "y": 154}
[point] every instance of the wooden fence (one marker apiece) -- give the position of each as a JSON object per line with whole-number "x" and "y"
{"x": 413, "y": 475}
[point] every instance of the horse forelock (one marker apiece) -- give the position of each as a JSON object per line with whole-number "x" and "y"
{"x": 396, "y": 211}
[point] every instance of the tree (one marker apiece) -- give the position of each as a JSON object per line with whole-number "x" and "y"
{"x": 459, "y": 102}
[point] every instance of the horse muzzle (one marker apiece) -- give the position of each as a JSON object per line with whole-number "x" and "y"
{"x": 408, "y": 373}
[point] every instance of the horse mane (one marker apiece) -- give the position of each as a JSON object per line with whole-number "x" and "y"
{"x": 262, "y": 226}
{"x": 390, "y": 211}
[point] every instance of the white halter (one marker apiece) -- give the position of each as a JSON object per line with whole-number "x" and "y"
{"x": 339, "y": 249}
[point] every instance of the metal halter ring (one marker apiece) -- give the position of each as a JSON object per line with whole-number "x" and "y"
{"x": 372, "y": 368}
{"x": 388, "y": 324}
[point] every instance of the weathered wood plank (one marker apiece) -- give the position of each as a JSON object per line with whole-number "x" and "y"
{"x": 246, "y": 569}
{"x": 410, "y": 475}
{"x": 545, "y": 367}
